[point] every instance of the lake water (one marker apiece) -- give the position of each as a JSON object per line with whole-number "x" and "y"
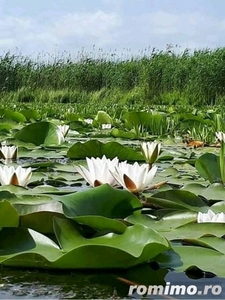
{"x": 36, "y": 284}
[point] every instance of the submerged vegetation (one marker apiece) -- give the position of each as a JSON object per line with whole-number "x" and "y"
{"x": 154, "y": 77}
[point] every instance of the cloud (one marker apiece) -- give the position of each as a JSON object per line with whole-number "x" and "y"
{"x": 13, "y": 28}
{"x": 15, "y": 32}
{"x": 99, "y": 25}
{"x": 109, "y": 29}
{"x": 7, "y": 42}
{"x": 112, "y": 4}
{"x": 67, "y": 31}
{"x": 185, "y": 29}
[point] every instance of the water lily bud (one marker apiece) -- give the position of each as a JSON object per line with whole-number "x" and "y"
{"x": 150, "y": 151}
{"x": 8, "y": 152}
{"x": 64, "y": 129}
{"x": 220, "y": 136}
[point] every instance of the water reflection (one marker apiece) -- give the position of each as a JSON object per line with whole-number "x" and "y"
{"x": 29, "y": 284}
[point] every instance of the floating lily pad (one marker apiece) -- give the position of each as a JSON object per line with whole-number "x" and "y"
{"x": 214, "y": 192}
{"x": 32, "y": 249}
{"x": 183, "y": 258}
{"x": 117, "y": 133}
{"x": 30, "y": 114}
{"x": 39, "y": 133}
{"x": 102, "y": 118}
{"x": 208, "y": 166}
{"x": 93, "y": 207}
{"x": 8, "y": 215}
{"x": 95, "y": 148}
{"x": 178, "y": 200}
{"x": 13, "y": 115}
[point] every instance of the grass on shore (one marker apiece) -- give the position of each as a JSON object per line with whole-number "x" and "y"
{"x": 155, "y": 78}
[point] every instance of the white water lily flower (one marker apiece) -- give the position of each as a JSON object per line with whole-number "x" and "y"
{"x": 98, "y": 171}
{"x": 18, "y": 176}
{"x": 88, "y": 121}
{"x": 150, "y": 151}
{"x": 64, "y": 129}
{"x": 211, "y": 217}
{"x": 8, "y": 152}
{"x": 134, "y": 177}
{"x": 106, "y": 126}
{"x": 220, "y": 136}
{"x": 61, "y": 138}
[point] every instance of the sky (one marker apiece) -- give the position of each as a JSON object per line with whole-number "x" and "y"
{"x": 40, "y": 28}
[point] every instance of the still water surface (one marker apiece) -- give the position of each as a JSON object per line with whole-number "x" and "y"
{"x": 33, "y": 284}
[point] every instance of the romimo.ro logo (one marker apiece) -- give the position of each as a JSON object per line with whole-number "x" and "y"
{"x": 177, "y": 289}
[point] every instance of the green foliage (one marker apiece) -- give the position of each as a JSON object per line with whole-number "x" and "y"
{"x": 178, "y": 200}
{"x": 143, "y": 122}
{"x": 208, "y": 255}
{"x": 96, "y": 208}
{"x": 208, "y": 166}
{"x": 59, "y": 222}
{"x": 159, "y": 77}
{"x": 25, "y": 242}
{"x": 12, "y": 115}
{"x": 9, "y": 219}
{"x": 32, "y": 249}
{"x": 95, "y": 148}
{"x": 39, "y": 133}
{"x": 102, "y": 118}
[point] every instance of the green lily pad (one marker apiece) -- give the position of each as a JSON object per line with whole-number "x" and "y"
{"x": 214, "y": 192}
{"x": 186, "y": 257}
{"x": 94, "y": 148}
{"x": 13, "y": 115}
{"x": 39, "y": 133}
{"x": 101, "y": 201}
{"x": 5, "y": 127}
{"x": 32, "y": 249}
{"x": 93, "y": 207}
{"x": 8, "y": 215}
{"x": 208, "y": 166}
{"x": 169, "y": 222}
{"x": 117, "y": 133}
{"x": 195, "y": 230}
{"x": 30, "y": 114}
{"x": 178, "y": 200}
{"x": 102, "y": 118}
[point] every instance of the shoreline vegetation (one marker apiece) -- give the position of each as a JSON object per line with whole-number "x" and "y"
{"x": 154, "y": 78}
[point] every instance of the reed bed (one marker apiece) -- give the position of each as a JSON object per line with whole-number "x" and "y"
{"x": 154, "y": 77}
